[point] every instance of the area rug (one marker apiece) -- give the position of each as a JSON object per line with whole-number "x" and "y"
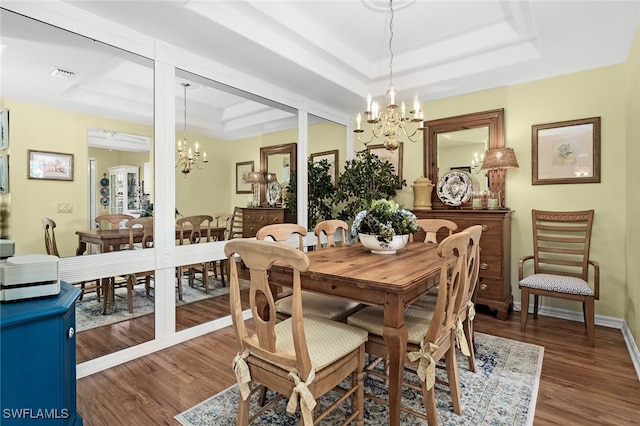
{"x": 89, "y": 310}
{"x": 502, "y": 392}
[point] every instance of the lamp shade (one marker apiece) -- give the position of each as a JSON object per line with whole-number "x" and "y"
{"x": 503, "y": 158}
{"x": 271, "y": 177}
{"x": 254, "y": 177}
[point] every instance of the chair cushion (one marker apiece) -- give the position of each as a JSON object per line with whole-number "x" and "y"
{"x": 319, "y": 305}
{"x": 327, "y": 340}
{"x": 371, "y": 319}
{"x": 428, "y": 301}
{"x": 558, "y": 283}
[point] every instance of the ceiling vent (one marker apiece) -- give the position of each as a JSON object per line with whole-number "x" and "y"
{"x": 60, "y": 73}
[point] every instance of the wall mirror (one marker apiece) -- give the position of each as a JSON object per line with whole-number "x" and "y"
{"x": 279, "y": 160}
{"x": 459, "y": 143}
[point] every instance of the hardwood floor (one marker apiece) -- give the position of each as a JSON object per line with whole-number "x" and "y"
{"x": 580, "y": 385}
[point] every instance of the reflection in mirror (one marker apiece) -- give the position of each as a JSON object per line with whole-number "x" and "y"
{"x": 231, "y": 126}
{"x": 464, "y": 150}
{"x": 278, "y": 160}
{"x": 57, "y": 85}
{"x": 453, "y": 142}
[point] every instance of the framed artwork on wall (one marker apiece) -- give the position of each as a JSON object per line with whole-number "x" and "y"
{"x": 50, "y": 165}
{"x": 394, "y": 157}
{"x": 4, "y": 128}
{"x": 242, "y": 169}
{"x": 332, "y": 159}
{"x": 566, "y": 152}
{"x": 4, "y": 174}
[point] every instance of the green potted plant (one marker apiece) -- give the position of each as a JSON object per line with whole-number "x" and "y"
{"x": 320, "y": 193}
{"x": 365, "y": 178}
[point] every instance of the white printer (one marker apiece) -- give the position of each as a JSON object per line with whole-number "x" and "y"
{"x": 29, "y": 276}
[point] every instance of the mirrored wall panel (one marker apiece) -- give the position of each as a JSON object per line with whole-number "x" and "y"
{"x": 81, "y": 120}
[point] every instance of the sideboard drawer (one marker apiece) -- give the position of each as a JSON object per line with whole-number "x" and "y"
{"x": 489, "y": 288}
{"x": 255, "y": 218}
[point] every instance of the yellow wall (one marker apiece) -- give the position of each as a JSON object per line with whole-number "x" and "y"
{"x": 632, "y": 198}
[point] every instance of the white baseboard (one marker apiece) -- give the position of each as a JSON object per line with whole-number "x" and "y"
{"x": 601, "y": 320}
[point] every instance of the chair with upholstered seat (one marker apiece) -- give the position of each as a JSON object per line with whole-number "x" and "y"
{"x": 312, "y": 303}
{"x": 51, "y": 248}
{"x": 561, "y": 243}
{"x": 194, "y": 230}
{"x": 466, "y": 311}
{"x": 301, "y": 357}
{"x": 145, "y": 242}
{"x": 431, "y": 333}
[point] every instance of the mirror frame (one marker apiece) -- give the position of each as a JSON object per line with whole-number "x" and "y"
{"x": 265, "y": 152}
{"x": 493, "y": 119}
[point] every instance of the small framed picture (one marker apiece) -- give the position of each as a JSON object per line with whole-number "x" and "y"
{"x": 4, "y": 173}
{"x": 242, "y": 169}
{"x": 4, "y": 128}
{"x": 50, "y": 165}
{"x": 332, "y": 159}
{"x": 394, "y": 157}
{"x": 566, "y": 152}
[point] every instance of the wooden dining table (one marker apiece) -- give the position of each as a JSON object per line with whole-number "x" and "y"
{"x": 113, "y": 239}
{"x": 392, "y": 281}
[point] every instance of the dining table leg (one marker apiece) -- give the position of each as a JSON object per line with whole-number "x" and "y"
{"x": 395, "y": 337}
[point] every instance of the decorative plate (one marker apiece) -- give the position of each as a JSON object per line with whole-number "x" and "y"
{"x": 104, "y": 191}
{"x": 274, "y": 191}
{"x": 454, "y": 188}
{"x": 104, "y": 182}
{"x": 104, "y": 201}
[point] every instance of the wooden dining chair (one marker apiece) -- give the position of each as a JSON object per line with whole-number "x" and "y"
{"x": 194, "y": 230}
{"x": 51, "y": 248}
{"x": 561, "y": 244}
{"x": 329, "y": 229}
{"x": 321, "y": 305}
{"x": 146, "y": 242}
{"x": 466, "y": 310}
{"x": 431, "y": 334}
{"x": 302, "y": 357}
{"x": 219, "y": 266}
{"x": 431, "y": 227}
{"x": 112, "y": 221}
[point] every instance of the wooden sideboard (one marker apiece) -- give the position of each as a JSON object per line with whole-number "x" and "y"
{"x": 255, "y": 218}
{"x": 494, "y": 286}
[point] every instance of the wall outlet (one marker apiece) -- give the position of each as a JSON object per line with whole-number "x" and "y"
{"x": 65, "y": 208}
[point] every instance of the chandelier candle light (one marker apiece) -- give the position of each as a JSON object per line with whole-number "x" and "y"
{"x": 187, "y": 156}
{"x": 391, "y": 122}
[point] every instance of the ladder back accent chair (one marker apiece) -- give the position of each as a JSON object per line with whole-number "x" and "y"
{"x": 561, "y": 244}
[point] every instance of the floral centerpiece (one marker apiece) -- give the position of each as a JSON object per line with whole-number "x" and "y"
{"x": 386, "y": 222}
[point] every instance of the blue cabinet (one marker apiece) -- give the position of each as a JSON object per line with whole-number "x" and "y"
{"x": 38, "y": 360}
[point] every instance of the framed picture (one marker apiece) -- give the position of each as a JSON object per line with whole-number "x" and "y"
{"x": 394, "y": 157}
{"x": 4, "y": 174}
{"x": 566, "y": 152}
{"x": 332, "y": 159}
{"x": 4, "y": 128}
{"x": 462, "y": 169}
{"x": 241, "y": 174}
{"x": 50, "y": 165}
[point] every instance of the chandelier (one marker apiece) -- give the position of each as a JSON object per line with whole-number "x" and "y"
{"x": 187, "y": 156}
{"x": 391, "y": 123}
